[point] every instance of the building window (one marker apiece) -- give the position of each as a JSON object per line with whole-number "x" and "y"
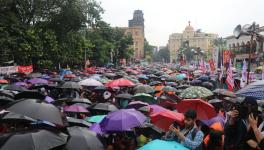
{"x": 136, "y": 33}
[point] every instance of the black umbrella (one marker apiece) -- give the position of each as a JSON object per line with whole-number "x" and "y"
{"x": 15, "y": 118}
{"x": 83, "y": 139}
{"x": 100, "y": 88}
{"x": 148, "y": 129}
{"x": 81, "y": 100}
{"x": 35, "y": 75}
{"x": 78, "y": 122}
{"x": 30, "y": 95}
{"x": 124, "y": 96}
{"x": 37, "y": 109}
{"x": 104, "y": 107}
{"x": 14, "y": 87}
{"x": 33, "y": 140}
{"x": 154, "y": 83}
{"x": 7, "y": 94}
{"x": 5, "y": 100}
{"x": 70, "y": 85}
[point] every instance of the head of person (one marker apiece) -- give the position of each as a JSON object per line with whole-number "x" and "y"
{"x": 248, "y": 106}
{"x": 190, "y": 118}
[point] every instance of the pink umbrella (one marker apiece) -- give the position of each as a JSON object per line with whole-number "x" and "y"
{"x": 75, "y": 108}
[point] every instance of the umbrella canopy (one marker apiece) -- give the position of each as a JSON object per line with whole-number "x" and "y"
{"x": 20, "y": 84}
{"x": 83, "y": 139}
{"x": 15, "y": 118}
{"x": 224, "y": 92}
{"x": 204, "y": 78}
{"x": 169, "y": 89}
{"x": 203, "y": 109}
{"x": 5, "y": 100}
{"x": 124, "y": 96}
{"x": 105, "y": 107}
{"x": 90, "y": 82}
{"x": 165, "y": 118}
{"x": 33, "y": 140}
{"x": 120, "y": 83}
{"x": 153, "y": 83}
{"x": 38, "y": 81}
{"x": 78, "y": 122}
{"x": 136, "y": 104}
{"x": 14, "y": 87}
{"x": 75, "y": 108}
{"x": 80, "y": 100}
{"x": 95, "y": 119}
{"x": 160, "y": 144}
{"x": 144, "y": 89}
{"x": 35, "y": 75}
{"x": 144, "y": 97}
{"x": 196, "y": 92}
{"x": 255, "y": 89}
{"x": 37, "y": 109}
{"x": 70, "y": 85}
{"x": 97, "y": 129}
{"x": 122, "y": 120}
{"x": 30, "y": 95}
{"x": 3, "y": 81}
{"x": 216, "y": 119}
{"x": 180, "y": 76}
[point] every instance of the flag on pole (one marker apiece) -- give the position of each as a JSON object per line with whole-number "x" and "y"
{"x": 244, "y": 74}
{"x": 229, "y": 77}
{"x": 221, "y": 72}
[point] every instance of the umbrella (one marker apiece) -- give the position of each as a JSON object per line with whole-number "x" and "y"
{"x": 80, "y": 100}
{"x": 104, "y": 107}
{"x": 196, "y": 92}
{"x": 122, "y": 120}
{"x": 7, "y": 93}
{"x": 124, "y": 96}
{"x": 120, "y": 83}
{"x": 37, "y": 81}
{"x": 153, "y": 83}
{"x": 203, "y": 109}
{"x": 15, "y": 118}
{"x": 144, "y": 97}
{"x": 204, "y": 78}
{"x": 69, "y": 76}
{"x": 20, "y": 84}
{"x": 95, "y": 119}
{"x": 5, "y": 100}
{"x": 136, "y": 104}
{"x": 30, "y": 94}
{"x": 75, "y": 108}
{"x": 165, "y": 118}
{"x": 198, "y": 72}
{"x": 213, "y": 101}
{"x": 180, "y": 76}
{"x": 97, "y": 129}
{"x": 83, "y": 139}
{"x": 148, "y": 129}
{"x": 169, "y": 89}
{"x": 90, "y": 82}
{"x": 255, "y": 89}
{"x": 144, "y": 77}
{"x": 14, "y": 87}
{"x": 207, "y": 85}
{"x": 144, "y": 89}
{"x": 215, "y": 119}
{"x": 35, "y": 75}
{"x": 70, "y": 85}
{"x": 2, "y": 81}
{"x": 161, "y": 144}
{"x": 100, "y": 88}
{"x": 78, "y": 122}
{"x": 48, "y": 99}
{"x": 37, "y": 109}
{"x": 224, "y": 92}
{"x": 33, "y": 140}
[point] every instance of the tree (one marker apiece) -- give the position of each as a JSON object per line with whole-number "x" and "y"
{"x": 148, "y": 51}
{"x": 163, "y": 55}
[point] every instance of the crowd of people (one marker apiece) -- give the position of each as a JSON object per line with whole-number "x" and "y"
{"x": 215, "y": 118}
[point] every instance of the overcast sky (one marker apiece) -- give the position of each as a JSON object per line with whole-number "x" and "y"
{"x": 163, "y": 17}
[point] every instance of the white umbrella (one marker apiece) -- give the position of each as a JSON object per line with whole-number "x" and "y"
{"x": 90, "y": 82}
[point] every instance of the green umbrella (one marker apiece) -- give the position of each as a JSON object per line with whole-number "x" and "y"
{"x": 95, "y": 119}
{"x": 144, "y": 98}
{"x": 144, "y": 89}
{"x": 195, "y": 92}
{"x": 169, "y": 89}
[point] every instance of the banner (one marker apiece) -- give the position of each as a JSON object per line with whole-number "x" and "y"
{"x": 226, "y": 57}
{"x": 25, "y": 69}
{"x": 8, "y": 70}
{"x": 212, "y": 65}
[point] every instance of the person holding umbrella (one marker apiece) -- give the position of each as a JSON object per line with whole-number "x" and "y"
{"x": 190, "y": 136}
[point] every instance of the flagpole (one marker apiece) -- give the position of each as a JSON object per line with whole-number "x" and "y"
{"x": 249, "y": 57}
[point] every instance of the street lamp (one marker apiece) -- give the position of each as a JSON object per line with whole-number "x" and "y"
{"x": 248, "y": 30}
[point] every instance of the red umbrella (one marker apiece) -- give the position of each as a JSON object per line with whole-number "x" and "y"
{"x": 69, "y": 76}
{"x": 164, "y": 119}
{"x": 119, "y": 83}
{"x": 3, "y": 81}
{"x": 204, "y": 110}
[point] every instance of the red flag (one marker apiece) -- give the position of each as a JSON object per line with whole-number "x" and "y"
{"x": 229, "y": 78}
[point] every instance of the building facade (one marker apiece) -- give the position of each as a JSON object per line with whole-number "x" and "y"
{"x": 195, "y": 39}
{"x": 240, "y": 49}
{"x": 136, "y": 30}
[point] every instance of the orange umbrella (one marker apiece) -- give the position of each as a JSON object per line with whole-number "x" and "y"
{"x": 159, "y": 88}
{"x": 69, "y": 76}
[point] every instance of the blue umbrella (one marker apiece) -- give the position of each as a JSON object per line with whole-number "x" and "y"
{"x": 160, "y": 144}
{"x": 95, "y": 119}
{"x": 255, "y": 89}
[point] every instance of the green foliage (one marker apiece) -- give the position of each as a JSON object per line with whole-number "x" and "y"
{"x": 163, "y": 55}
{"x": 48, "y": 33}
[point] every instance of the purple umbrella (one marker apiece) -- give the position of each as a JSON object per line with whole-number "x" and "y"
{"x": 49, "y": 99}
{"x": 96, "y": 128}
{"x": 122, "y": 120}
{"x": 75, "y": 108}
{"x": 218, "y": 118}
{"x": 38, "y": 81}
{"x": 21, "y": 84}
{"x": 137, "y": 104}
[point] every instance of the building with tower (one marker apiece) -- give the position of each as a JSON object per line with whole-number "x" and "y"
{"x": 191, "y": 38}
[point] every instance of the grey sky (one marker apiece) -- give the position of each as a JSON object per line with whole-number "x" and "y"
{"x": 163, "y": 17}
